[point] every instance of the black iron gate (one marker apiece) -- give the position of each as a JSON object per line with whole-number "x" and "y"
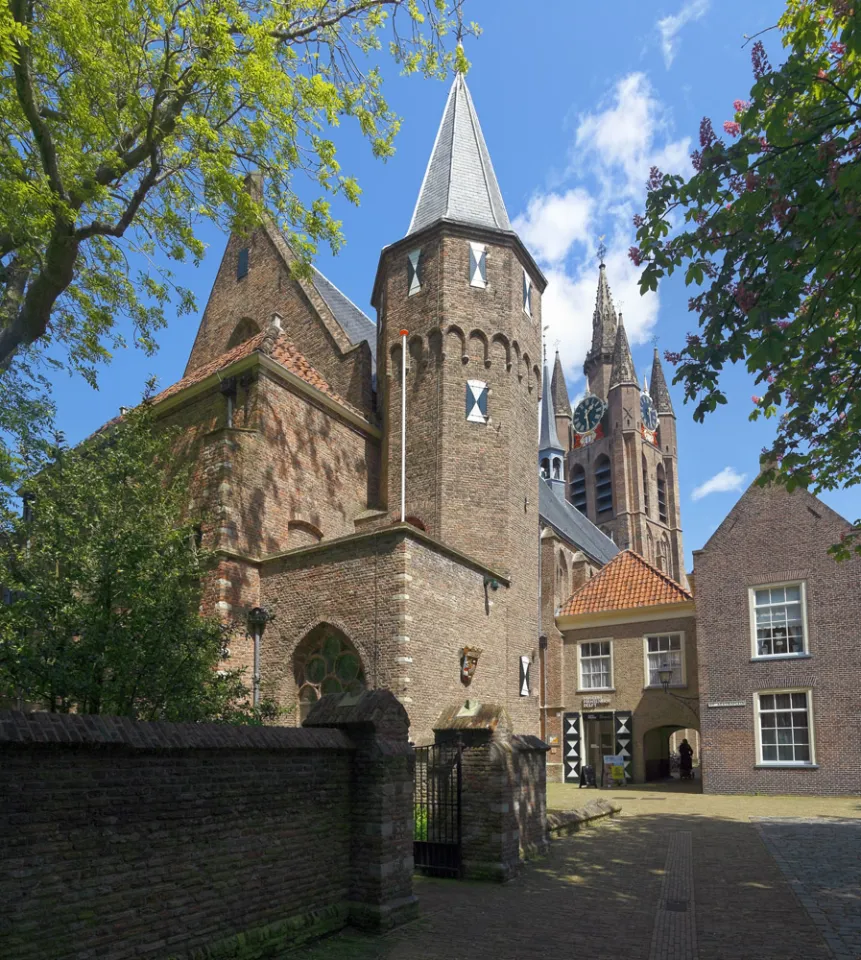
{"x": 436, "y": 845}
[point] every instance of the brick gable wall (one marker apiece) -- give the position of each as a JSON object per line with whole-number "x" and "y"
{"x": 772, "y": 536}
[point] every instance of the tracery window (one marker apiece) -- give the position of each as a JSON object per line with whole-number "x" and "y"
{"x": 326, "y": 662}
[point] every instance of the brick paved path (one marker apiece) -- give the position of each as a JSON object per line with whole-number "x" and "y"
{"x": 603, "y": 894}
{"x": 822, "y": 861}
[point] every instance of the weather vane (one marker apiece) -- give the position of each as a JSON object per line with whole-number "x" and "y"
{"x": 602, "y": 249}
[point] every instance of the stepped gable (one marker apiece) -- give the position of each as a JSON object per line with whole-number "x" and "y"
{"x": 628, "y": 582}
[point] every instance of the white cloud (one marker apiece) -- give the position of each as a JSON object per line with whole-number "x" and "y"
{"x": 612, "y": 151}
{"x": 726, "y": 481}
{"x": 670, "y": 27}
{"x": 553, "y": 222}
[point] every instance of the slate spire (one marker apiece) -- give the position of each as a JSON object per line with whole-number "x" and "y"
{"x": 622, "y": 370}
{"x": 559, "y": 390}
{"x": 549, "y": 439}
{"x": 604, "y": 320}
{"x": 459, "y": 183}
{"x": 659, "y": 393}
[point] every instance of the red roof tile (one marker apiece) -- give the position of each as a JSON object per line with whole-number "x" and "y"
{"x": 628, "y": 581}
{"x": 279, "y": 349}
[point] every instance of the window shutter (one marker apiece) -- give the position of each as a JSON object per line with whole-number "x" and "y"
{"x": 476, "y": 401}
{"x": 571, "y": 747}
{"x": 622, "y": 720}
{"x": 242, "y": 263}
{"x": 524, "y": 676}
{"x": 414, "y": 280}
{"x": 477, "y": 265}
{"x": 527, "y": 294}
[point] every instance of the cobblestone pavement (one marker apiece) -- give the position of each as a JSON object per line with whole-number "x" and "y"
{"x": 678, "y": 876}
{"x": 822, "y": 861}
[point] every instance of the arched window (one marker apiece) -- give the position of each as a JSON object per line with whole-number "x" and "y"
{"x": 646, "y": 506}
{"x": 668, "y": 557}
{"x": 326, "y": 662}
{"x": 603, "y": 485}
{"x": 244, "y": 330}
{"x": 578, "y": 488}
{"x": 662, "y": 494}
{"x": 650, "y": 547}
{"x": 545, "y": 467}
{"x": 562, "y": 587}
{"x": 557, "y": 468}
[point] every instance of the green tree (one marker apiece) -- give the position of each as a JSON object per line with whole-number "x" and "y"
{"x": 769, "y": 229}
{"x": 125, "y": 123}
{"x": 102, "y": 581}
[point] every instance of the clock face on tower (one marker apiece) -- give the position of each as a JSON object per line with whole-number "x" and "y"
{"x": 648, "y": 412}
{"x": 588, "y": 414}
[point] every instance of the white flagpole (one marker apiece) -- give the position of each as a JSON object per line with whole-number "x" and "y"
{"x": 404, "y": 425}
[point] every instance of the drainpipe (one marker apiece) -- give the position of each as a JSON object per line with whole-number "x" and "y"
{"x": 257, "y": 620}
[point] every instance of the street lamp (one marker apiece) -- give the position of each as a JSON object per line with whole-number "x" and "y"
{"x": 258, "y": 617}
{"x": 665, "y": 675}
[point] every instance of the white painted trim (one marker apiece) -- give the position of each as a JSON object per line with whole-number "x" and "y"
{"x": 590, "y": 691}
{"x": 658, "y": 686}
{"x": 757, "y": 730}
{"x": 751, "y": 606}
{"x": 666, "y": 611}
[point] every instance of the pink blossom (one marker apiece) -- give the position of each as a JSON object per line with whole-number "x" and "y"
{"x": 755, "y": 399}
{"x": 740, "y": 105}
{"x": 837, "y": 48}
{"x": 822, "y": 74}
{"x": 782, "y": 324}
{"x": 707, "y": 134}
{"x": 732, "y": 128}
{"x": 635, "y": 256}
{"x": 771, "y": 378}
{"x": 759, "y": 60}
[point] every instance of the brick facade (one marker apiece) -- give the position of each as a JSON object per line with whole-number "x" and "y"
{"x": 774, "y": 537}
{"x": 128, "y": 839}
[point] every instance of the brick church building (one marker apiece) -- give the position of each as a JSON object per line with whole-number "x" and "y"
{"x": 536, "y": 560}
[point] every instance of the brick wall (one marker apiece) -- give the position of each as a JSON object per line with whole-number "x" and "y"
{"x": 772, "y": 536}
{"x": 126, "y": 839}
{"x": 651, "y": 708}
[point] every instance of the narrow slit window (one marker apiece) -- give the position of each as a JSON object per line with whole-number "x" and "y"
{"x": 662, "y": 495}
{"x": 476, "y": 401}
{"x": 414, "y": 272}
{"x": 603, "y": 486}
{"x": 527, "y": 294}
{"x": 578, "y": 488}
{"x": 242, "y": 264}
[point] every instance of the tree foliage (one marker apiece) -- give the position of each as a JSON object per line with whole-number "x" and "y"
{"x": 102, "y": 587}
{"x": 769, "y": 229}
{"x": 125, "y": 123}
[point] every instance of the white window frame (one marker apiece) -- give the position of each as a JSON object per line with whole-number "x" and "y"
{"x": 527, "y": 294}
{"x": 757, "y": 728}
{"x": 478, "y": 252}
{"x": 683, "y": 650}
{"x": 580, "y": 687}
{"x": 415, "y": 285}
{"x": 805, "y": 637}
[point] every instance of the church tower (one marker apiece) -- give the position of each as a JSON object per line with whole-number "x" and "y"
{"x": 551, "y": 453}
{"x": 622, "y": 466}
{"x": 468, "y": 293}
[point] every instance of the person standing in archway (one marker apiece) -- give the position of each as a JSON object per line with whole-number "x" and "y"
{"x": 686, "y": 754}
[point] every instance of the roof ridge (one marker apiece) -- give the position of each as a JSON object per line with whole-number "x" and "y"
{"x": 662, "y": 574}
{"x": 352, "y": 302}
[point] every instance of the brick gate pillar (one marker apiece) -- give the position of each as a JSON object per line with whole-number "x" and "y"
{"x": 504, "y": 792}
{"x": 381, "y": 819}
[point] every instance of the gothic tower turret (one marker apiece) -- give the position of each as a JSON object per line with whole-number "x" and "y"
{"x": 551, "y": 454}
{"x": 469, "y": 294}
{"x": 622, "y": 473}
{"x": 561, "y": 403}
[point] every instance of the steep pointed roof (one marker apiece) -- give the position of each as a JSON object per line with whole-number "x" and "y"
{"x": 355, "y": 322}
{"x": 559, "y": 389}
{"x": 604, "y": 318}
{"x": 622, "y": 370}
{"x": 549, "y": 439}
{"x": 627, "y": 582}
{"x": 659, "y": 392}
{"x": 459, "y": 183}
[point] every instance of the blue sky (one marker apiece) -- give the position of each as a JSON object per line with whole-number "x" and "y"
{"x": 576, "y": 102}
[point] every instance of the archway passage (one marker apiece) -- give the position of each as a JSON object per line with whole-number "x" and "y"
{"x": 656, "y": 751}
{"x": 326, "y": 661}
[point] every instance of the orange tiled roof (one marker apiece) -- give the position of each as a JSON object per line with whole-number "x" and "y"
{"x": 279, "y": 348}
{"x": 628, "y": 581}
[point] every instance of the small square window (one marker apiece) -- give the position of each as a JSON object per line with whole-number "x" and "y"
{"x": 778, "y": 621}
{"x": 477, "y": 265}
{"x": 414, "y": 278}
{"x": 527, "y": 294}
{"x": 785, "y": 728}
{"x": 242, "y": 263}
{"x": 476, "y": 401}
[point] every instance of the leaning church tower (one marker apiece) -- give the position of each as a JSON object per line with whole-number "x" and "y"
{"x": 622, "y": 469}
{"x": 468, "y": 292}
